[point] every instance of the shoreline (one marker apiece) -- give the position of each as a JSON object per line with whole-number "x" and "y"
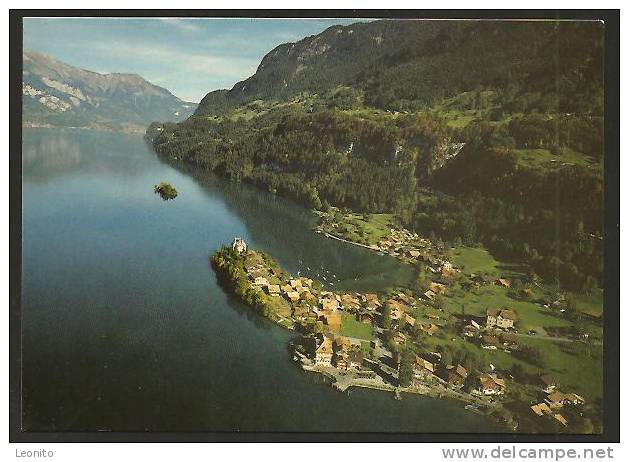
{"x": 472, "y": 403}
{"x": 226, "y": 264}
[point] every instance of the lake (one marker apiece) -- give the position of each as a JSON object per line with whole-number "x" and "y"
{"x": 125, "y": 327}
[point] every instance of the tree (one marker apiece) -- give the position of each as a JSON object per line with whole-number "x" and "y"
{"x": 407, "y": 361}
{"x": 589, "y": 285}
{"x": 446, "y": 356}
{"x": 386, "y": 316}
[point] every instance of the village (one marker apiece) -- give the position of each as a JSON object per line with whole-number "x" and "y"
{"x": 398, "y": 341}
{"x": 378, "y": 234}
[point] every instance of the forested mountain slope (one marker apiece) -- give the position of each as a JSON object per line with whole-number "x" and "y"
{"x": 486, "y": 132}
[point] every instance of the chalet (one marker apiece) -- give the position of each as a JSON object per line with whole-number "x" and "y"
{"x": 341, "y": 345}
{"x": 292, "y": 296}
{"x": 239, "y": 245}
{"x": 470, "y": 331}
{"x": 490, "y": 384}
{"x": 404, "y": 299}
{"x": 414, "y": 253}
{"x": 366, "y": 317}
{"x": 286, "y": 288}
{"x": 509, "y": 339}
{"x": 371, "y": 301}
{"x": 325, "y": 351}
{"x": 503, "y": 282}
{"x": 500, "y": 318}
{"x": 308, "y": 297}
{"x": 438, "y": 288}
{"x": 301, "y": 311}
{"x": 339, "y": 361}
{"x": 541, "y": 409}
{"x": 350, "y": 303}
{"x": 302, "y": 289}
{"x": 329, "y": 304}
{"x": 409, "y": 320}
{"x": 429, "y": 294}
{"x": 561, "y": 419}
{"x": 332, "y": 319}
{"x": 423, "y": 369}
{"x": 548, "y": 383}
{"x": 355, "y": 359}
{"x": 573, "y": 399}
{"x": 397, "y": 308}
{"x": 447, "y": 269}
{"x": 455, "y": 376}
{"x": 273, "y": 289}
{"x": 430, "y": 329}
{"x": 490, "y": 342}
{"x": 399, "y": 338}
{"x": 492, "y": 316}
{"x": 555, "y": 399}
{"x": 260, "y": 281}
{"x": 506, "y": 319}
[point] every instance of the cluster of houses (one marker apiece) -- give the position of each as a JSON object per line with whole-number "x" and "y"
{"x": 498, "y": 330}
{"x": 412, "y": 248}
{"x": 428, "y": 367}
{"x": 555, "y": 400}
{"x": 400, "y": 305}
{"x": 336, "y": 351}
{"x": 486, "y": 279}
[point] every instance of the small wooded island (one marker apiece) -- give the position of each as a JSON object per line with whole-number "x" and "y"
{"x": 165, "y": 190}
{"x": 387, "y": 342}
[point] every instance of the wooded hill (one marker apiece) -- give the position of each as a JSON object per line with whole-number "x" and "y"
{"x": 486, "y": 132}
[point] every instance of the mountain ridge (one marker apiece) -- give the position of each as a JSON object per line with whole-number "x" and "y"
{"x": 58, "y": 94}
{"x": 384, "y": 59}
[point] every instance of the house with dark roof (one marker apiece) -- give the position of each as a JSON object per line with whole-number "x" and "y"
{"x": 490, "y": 342}
{"x": 549, "y": 383}
{"x": 491, "y": 384}
{"x": 504, "y": 318}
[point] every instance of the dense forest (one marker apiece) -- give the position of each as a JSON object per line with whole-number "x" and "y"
{"x": 482, "y": 132}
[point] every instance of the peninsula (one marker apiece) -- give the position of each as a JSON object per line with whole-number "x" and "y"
{"x": 405, "y": 341}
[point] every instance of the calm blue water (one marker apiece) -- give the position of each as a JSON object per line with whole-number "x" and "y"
{"x": 125, "y": 327}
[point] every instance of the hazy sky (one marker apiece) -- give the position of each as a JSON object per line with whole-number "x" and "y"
{"x": 187, "y": 56}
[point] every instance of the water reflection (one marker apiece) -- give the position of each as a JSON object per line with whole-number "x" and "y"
{"x": 51, "y": 153}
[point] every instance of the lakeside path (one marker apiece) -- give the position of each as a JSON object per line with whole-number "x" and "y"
{"x": 343, "y": 381}
{"x": 332, "y": 236}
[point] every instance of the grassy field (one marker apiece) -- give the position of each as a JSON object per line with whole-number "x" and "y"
{"x": 578, "y": 366}
{"x": 530, "y": 315}
{"x": 475, "y": 260}
{"x": 590, "y": 304}
{"x": 543, "y": 158}
{"x": 365, "y": 229}
{"x": 350, "y": 327}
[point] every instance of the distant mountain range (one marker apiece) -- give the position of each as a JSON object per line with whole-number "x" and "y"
{"x": 59, "y": 95}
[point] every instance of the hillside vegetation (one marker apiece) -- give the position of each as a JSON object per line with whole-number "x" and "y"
{"x": 471, "y": 132}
